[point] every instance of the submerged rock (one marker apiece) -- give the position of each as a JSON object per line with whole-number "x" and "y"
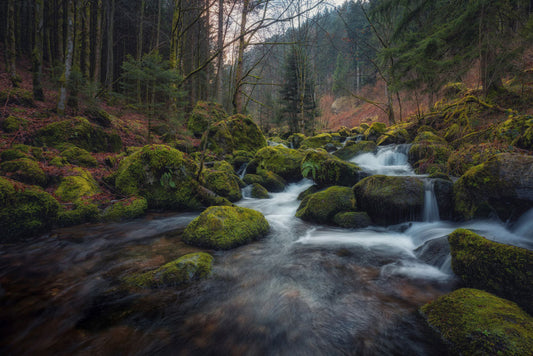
{"x": 352, "y": 219}
{"x": 25, "y": 210}
{"x": 502, "y": 186}
{"x": 390, "y": 200}
{"x": 186, "y": 269}
{"x": 474, "y": 322}
{"x": 321, "y": 207}
{"x": 225, "y": 227}
{"x": 259, "y": 192}
{"x": 283, "y": 161}
{"x": 501, "y": 269}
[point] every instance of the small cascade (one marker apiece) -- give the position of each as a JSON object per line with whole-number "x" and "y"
{"x": 274, "y": 144}
{"x": 242, "y": 170}
{"x": 388, "y": 160}
{"x": 431, "y": 208}
{"x": 524, "y": 225}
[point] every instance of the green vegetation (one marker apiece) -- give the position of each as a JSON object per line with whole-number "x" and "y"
{"x": 327, "y": 170}
{"x": 224, "y": 227}
{"x": 25, "y": 170}
{"x": 352, "y": 149}
{"x": 474, "y": 322}
{"x": 285, "y": 162}
{"x": 74, "y": 187}
{"x": 321, "y": 207}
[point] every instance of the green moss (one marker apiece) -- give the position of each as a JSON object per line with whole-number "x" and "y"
{"x": 224, "y": 183}
{"x": 99, "y": 116}
{"x": 204, "y": 114}
{"x": 79, "y": 156}
{"x": 25, "y": 210}
{"x": 125, "y": 209}
{"x": 311, "y": 190}
{"x": 424, "y": 156}
{"x": 322, "y": 206}
{"x": 503, "y": 185}
{"x": 74, "y": 187}
{"x": 353, "y": 149}
{"x": 283, "y": 161}
{"x": 501, "y": 269}
{"x": 374, "y": 131}
{"x": 514, "y": 130}
{"x": 453, "y": 132}
{"x": 162, "y": 175}
{"x": 259, "y": 192}
{"x": 80, "y": 132}
{"x": 271, "y": 181}
{"x": 83, "y": 211}
{"x": 13, "y": 123}
{"x": 430, "y": 137}
{"x": 25, "y": 170}
{"x": 184, "y": 270}
{"x": 253, "y": 178}
{"x": 240, "y": 157}
{"x": 394, "y": 135}
{"x": 318, "y": 141}
{"x": 12, "y": 154}
{"x": 352, "y": 219}
{"x": 223, "y": 227}
{"x": 327, "y": 170}
{"x": 17, "y": 96}
{"x": 295, "y": 140}
{"x": 390, "y": 200}
{"x": 474, "y": 322}
{"x": 58, "y": 161}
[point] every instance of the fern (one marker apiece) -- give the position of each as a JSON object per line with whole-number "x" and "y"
{"x": 166, "y": 180}
{"x": 310, "y": 167}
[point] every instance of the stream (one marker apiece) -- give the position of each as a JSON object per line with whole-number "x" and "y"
{"x": 305, "y": 289}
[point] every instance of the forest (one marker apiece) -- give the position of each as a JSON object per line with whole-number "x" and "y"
{"x": 266, "y": 177}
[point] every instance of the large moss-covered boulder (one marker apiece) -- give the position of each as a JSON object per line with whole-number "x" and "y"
{"x": 501, "y": 269}
{"x": 25, "y": 170}
{"x": 13, "y": 123}
{"x": 503, "y": 186}
{"x": 474, "y": 322}
{"x": 25, "y": 210}
{"x": 17, "y": 96}
{"x": 396, "y": 134}
{"x": 223, "y": 182}
{"x": 270, "y": 180}
{"x": 162, "y": 175}
{"x": 469, "y": 155}
{"x": 80, "y": 132}
{"x": 295, "y": 140}
{"x": 283, "y": 161}
{"x": 79, "y": 156}
{"x": 236, "y": 133}
{"x": 327, "y": 170}
{"x": 225, "y": 227}
{"x": 184, "y": 270}
{"x": 352, "y": 149}
{"x": 129, "y": 208}
{"x": 80, "y": 184}
{"x": 322, "y": 206}
{"x": 390, "y": 200}
{"x": 204, "y": 114}
{"x": 376, "y": 130}
{"x": 318, "y": 141}
{"x": 259, "y": 192}
{"x": 352, "y": 219}
{"x": 81, "y": 211}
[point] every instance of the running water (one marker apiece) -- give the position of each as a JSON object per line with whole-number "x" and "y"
{"x": 305, "y": 289}
{"x": 431, "y": 208}
{"x": 388, "y": 160}
{"x": 242, "y": 170}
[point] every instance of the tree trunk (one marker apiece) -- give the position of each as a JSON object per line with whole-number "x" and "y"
{"x": 140, "y": 47}
{"x": 237, "y": 95}
{"x": 86, "y": 40}
{"x": 68, "y": 60}
{"x": 220, "y": 48}
{"x": 11, "y": 45}
{"x": 110, "y": 39}
{"x": 98, "y": 42}
{"x": 175, "y": 37}
{"x": 37, "y": 53}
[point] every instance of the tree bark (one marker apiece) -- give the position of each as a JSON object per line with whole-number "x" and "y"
{"x": 68, "y": 60}
{"x": 220, "y": 48}
{"x": 37, "y": 53}
{"x": 11, "y": 45}
{"x": 237, "y": 95}
{"x": 98, "y": 42}
{"x": 110, "y": 43}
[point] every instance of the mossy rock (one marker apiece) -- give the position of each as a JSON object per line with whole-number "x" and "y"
{"x": 504, "y": 270}
{"x": 443, "y": 188}
{"x": 516, "y": 131}
{"x": 184, "y": 270}
{"x": 79, "y": 156}
{"x": 223, "y": 183}
{"x": 352, "y": 219}
{"x": 239, "y": 158}
{"x": 162, "y": 175}
{"x": 311, "y": 190}
{"x": 130, "y": 208}
{"x": 390, "y": 200}
{"x": 374, "y": 131}
{"x": 396, "y": 135}
{"x": 17, "y": 96}
{"x": 318, "y": 141}
{"x": 80, "y": 132}
{"x": 468, "y": 156}
{"x": 321, "y": 207}
{"x": 74, "y": 187}
{"x": 13, "y": 123}
{"x": 475, "y": 322}
{"x": 327, "y": 170}
{"x": 283, "y": 161}
{"x": 424, "y": 155}
{"x": 252, "y": 179}
{"x": 98, "y": 116}
{"x": 430, "y": 137}
{"x": 58, "y": 161}
{"x": 295, "y": 140}
{"x": 224, "y": 227}
{"x": 271, "y": 181}
{"x": 353, "y": 149}
{"x": 236, "y": 133}
{"x": 12, "y": 154}
{"x": 25, "y": 210}
{"x": 454, "y": 132}
{"x": 343, "y": 131}
{"x": 503, "y": 186}
{"x": 83, "y": 211}
{"x": 259, "y": 192}
{"x": 25, "y": 170}
{"x": 204, "y": 114}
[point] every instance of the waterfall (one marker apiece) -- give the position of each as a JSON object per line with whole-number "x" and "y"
{"x": 242, "y": 170}
{"x": 388, "y": 160}
{"x": 431, "y": 208}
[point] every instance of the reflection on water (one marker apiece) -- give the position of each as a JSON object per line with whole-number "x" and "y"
{"x": 303, "y": 290}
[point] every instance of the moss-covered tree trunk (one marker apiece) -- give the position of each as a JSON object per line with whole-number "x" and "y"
{"x": 239, "y": 70}
{"x": 37, "y": 54}
{"x": 68, "y": 59}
